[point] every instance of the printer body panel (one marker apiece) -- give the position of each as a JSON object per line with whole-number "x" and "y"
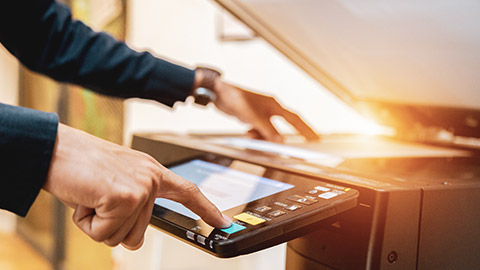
{"x": 406, "y": 222}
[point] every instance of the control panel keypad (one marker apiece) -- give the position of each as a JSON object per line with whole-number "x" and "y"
{"x": 272, "y": 210}
{"x": 264, "y": 212}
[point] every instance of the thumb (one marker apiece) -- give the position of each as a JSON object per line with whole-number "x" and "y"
{"x": 89, "y": 222}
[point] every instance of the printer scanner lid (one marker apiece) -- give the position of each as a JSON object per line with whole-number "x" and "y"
{"x": 409, "y": 64}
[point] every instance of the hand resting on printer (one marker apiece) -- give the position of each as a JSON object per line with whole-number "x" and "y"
{"x": 257, "y": 110}
{"x": 252, "y": 108}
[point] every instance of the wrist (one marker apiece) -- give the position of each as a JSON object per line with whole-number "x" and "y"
{"x": 206, "y": 84}
{"x": 197, "y": 81}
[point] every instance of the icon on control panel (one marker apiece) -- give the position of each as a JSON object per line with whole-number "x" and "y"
{"x": 276, "y": 213}
{"x": 293, "y": 207}
{"x": 262, "y": 209}
{"x": 302, "y": 200}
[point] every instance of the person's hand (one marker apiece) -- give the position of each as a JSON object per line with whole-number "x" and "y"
{"x": 113, "y": 188}
{"x": 257, "y": 110}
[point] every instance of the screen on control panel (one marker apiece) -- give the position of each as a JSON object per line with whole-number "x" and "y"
{"x": 225, "y": 187}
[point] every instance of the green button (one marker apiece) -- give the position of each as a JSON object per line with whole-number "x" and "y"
{"x": 234, "y": 228}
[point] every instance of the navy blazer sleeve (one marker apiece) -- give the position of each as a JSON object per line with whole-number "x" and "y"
{"x": 27, "y": 139}
{"x": 43, "y": 36}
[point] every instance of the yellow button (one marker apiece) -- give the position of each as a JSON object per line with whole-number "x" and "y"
{"x": 247, "y": 218}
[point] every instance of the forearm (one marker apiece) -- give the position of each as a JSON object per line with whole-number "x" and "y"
{"x": 27, "y": 138}
{"x": 46, "y": 39}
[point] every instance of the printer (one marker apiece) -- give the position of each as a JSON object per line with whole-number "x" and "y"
{"x": 410, "y": 65}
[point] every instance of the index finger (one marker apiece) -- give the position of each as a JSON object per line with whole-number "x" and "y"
{"x": 303, "y": 128}
{"x": 176, "y": 188}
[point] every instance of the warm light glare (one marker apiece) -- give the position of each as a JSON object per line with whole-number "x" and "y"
{"x": 368, "y": 127}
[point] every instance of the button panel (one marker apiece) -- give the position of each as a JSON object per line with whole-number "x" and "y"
{"x": 280, "y": 207}
{"x": 264, "y": 213}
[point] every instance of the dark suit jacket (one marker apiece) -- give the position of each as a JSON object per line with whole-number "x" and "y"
{"x": 43, "y": 36}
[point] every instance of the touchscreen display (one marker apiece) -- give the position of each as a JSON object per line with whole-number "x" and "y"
{"x": 225, "y": 187}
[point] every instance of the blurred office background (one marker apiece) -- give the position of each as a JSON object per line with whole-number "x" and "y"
{"x": 188, "y": 32}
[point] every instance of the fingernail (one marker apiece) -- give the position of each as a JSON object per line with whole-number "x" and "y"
{"x": 228, "y": 220}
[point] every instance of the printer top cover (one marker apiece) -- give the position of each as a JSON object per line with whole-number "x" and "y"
{"x": 408, "y": 64}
